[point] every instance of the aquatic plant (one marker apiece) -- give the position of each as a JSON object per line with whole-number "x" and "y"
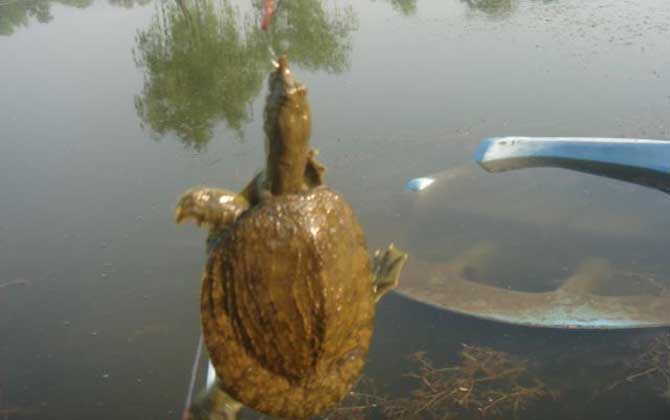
{"x": 8, "y": 411}
{"x": 361, "y": 403}
{"x": 652, "y": 365}
{"x": 485, "y": 384}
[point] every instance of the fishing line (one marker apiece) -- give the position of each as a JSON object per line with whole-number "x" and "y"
{"x": 191, "y": 385}
{"x": 269, "y": 32}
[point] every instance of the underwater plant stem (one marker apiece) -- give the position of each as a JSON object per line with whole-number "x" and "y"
{"x": 633, "y": 377}
{"x": 16, "y": 283}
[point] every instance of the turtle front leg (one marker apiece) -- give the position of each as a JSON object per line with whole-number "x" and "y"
{"x": 386, "y": 267}
{"x": 315, "y": 170}
{"x": 213, "y": 207}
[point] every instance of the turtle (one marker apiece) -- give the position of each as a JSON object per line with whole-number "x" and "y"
{"x": 289, "y": 290}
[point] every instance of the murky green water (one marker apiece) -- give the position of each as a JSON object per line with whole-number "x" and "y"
{"x": 111, "y": 109}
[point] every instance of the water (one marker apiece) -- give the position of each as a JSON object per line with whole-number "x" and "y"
{"x": 101, "y": 131}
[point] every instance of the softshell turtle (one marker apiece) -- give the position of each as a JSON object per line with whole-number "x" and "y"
{"x": 289, "y": 291}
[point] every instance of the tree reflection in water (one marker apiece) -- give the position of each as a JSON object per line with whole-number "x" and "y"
{"x": 18, "y": 13}
{"x": 129, "y": 4}
{"x": 313, "y": 36}
{"x": 205, "y": 63}
{"x": 405, "y": 7}
{"x": 493, "y": 8}
{"x": 200, "y": 67}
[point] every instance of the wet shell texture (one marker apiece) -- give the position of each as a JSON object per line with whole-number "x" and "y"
{"x": 288, "y": 305}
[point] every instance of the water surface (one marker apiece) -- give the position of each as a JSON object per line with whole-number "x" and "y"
{"x": 112, "y": 109}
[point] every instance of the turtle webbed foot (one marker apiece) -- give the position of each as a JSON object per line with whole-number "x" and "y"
{"x": 214, "y": 404}
{"x": 386, "y": 267}
{"x": 211, "y": 206}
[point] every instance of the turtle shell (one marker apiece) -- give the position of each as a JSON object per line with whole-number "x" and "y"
{"x": 288, "y": 304}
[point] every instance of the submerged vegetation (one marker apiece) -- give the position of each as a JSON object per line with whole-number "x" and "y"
{"x": 486, "y": 384}
{"x": 491, "y": 384}
{"x": 652, "y": 365}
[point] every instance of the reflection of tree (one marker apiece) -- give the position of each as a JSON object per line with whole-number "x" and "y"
{"x": 129, "y": 4}
{"x": 202, "y": 66}
{"x": 406, "y": 7}
{"x": 311, "y": 36}
{"x": 17, "y": 13}
{"x": 493, "y": 8}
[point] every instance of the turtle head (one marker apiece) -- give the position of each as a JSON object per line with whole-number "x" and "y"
{"x": 287, "y": 128}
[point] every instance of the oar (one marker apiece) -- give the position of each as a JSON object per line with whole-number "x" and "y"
{"x": 639, "y": 161}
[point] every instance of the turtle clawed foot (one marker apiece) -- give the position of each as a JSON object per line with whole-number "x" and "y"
{"x": 215, "y": 404}
{"x": 386, "y": 267}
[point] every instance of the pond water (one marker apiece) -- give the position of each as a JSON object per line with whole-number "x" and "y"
{"x": 111, "y": 109}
